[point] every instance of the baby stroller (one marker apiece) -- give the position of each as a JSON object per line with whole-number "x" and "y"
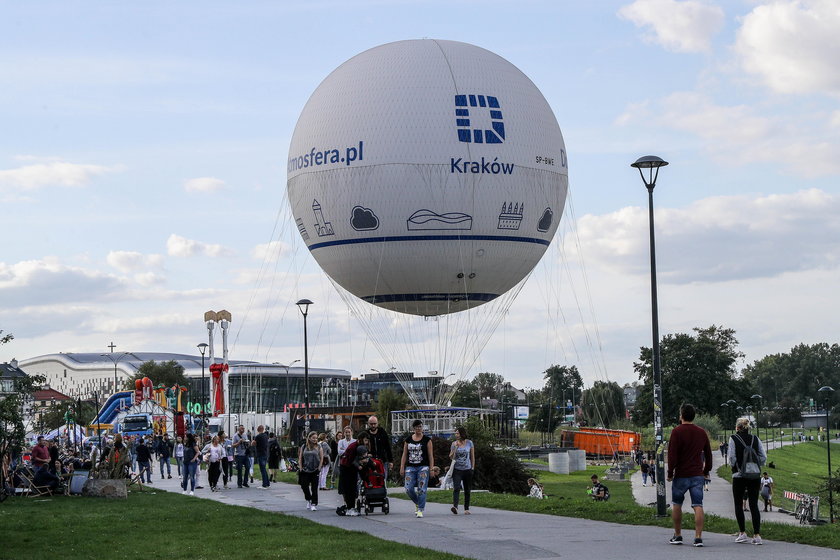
{"x": 372, "y": 491}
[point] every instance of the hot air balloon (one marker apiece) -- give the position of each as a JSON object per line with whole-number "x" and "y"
{"x": 427, "y": 177}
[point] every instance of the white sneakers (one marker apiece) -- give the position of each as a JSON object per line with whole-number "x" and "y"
{"x": 756, "y": 540}
{"x": 314, "y": 507}
{"x": 308, "y": 505}
{"x": 192, "y": 493}
{"x": 419, "y": 513}
{"x": 742, "y": 538}
{"x": 352, "y": 512}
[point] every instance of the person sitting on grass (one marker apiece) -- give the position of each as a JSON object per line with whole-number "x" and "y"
{"x": 434, "y": 479}
{"x": 536, "y": 489}
{"x": 598, "y": 491}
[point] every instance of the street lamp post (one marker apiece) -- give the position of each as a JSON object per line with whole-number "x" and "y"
{"x": 303, "y": 305}
{"x": 202, "y": 348}
{"x": 652, "y": 164}
{"x": 827, "y": 392}
{"x": 115, "y": 359}
{"x": 274, "y": 394}
{"x": 725, "y": 407}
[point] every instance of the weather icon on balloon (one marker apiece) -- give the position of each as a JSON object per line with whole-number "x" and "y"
{"x": 363, "y": 219}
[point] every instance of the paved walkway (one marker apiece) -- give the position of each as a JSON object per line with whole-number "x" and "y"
{"x": 491, "y": 534}
{"x": 718, "y": 500}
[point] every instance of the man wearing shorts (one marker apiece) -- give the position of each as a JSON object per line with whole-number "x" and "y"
{"x": 689, "y": 463}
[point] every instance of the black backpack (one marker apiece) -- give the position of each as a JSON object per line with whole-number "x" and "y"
{"x": 749, "y": 467}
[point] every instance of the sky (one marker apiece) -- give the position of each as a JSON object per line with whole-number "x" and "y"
{"x": 142, "y": 174}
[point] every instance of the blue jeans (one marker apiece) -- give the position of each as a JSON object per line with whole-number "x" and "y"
{"x": 180, "y": 462}
{"x": 189, "y": 475}
{"x": 263, "y": 461}
{"x": 164, "y": 461}
{"x": 419, "y": 477}
{"x": 644, "y": 477}
{"x": 145, "y": 467}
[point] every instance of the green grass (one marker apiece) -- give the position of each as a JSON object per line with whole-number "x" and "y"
{"x": 166, "y": 525}
{"x": 799, "y": 468}
{"x": 567, "y": 497}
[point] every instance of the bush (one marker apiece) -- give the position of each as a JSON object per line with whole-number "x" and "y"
{"x": 495, "y": 470}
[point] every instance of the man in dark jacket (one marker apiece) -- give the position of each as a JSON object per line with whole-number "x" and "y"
{"x": 144, "y": 459}
{"x": 164, "y": 452}
{"x": 380, "y": 444}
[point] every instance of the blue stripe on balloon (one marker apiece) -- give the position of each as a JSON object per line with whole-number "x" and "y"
{"x": 400, "y": 238}
{"x": 396, "y": 298}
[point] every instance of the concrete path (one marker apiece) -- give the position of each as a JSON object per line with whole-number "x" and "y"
{"x": 491, "y": 534}
{"x": 718, "y": 500}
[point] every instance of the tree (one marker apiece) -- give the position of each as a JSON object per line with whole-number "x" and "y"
{"x": 548, "y": 406}
{"x": 57, "y": 414}
{"x": 386, "y": 401}
{"x": 12, "y": 430}
{"x": 603, "y": 404}
{"x": 797, "y": 374}
{"x": 698, "y": 368}
{"x": 161, "y": 373}
{"x": 484, "y": 385}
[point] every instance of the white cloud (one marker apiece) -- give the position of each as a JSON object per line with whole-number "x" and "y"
{"x": 721, "y": 239}
{"x": 147, "y": 279}
{"x": 793, "y": 45}
{"x": 677, "y": 26}
{"x": 177, "y": 246}
{"x": 203, "y": 184}
{"x": 39, "y": 282}
{"x": 132, "y": 261}
{"x": 52, "y": 174}
{"x": 272, "y": 250}
{"x": 806, "y": 144}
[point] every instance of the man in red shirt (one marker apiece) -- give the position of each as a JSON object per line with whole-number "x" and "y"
{"x": 689, "y": 463}
{"x": 40, "y": 453}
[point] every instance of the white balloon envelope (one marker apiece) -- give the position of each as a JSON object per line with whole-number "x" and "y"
{"x": 427, "y": 176}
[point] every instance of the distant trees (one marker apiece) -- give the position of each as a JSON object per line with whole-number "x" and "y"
{"x": 388, "y": 400}
{"x": 563, "y": 384}
{"x": 699, "y": 368}
{"x": 484, "y": 385}
{"x": 603, "y": 404}
{"x": 794, "y": 377}
{"x": 161, "y": 373}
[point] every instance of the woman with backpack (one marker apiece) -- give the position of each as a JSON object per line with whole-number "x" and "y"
{"x": 745, "y": 456}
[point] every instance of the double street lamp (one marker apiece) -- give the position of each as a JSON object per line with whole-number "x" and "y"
{"x": 652, "y": 164}
{"x": 303, "y": 305}
{"x": 202, "y": 348}
{"x": 115, "y": 358}
{"x": 827, "y": 392}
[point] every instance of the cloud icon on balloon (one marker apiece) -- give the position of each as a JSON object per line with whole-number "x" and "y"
{"x": 363, "y": 219}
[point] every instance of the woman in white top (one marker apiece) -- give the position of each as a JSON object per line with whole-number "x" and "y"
{"x": 214, "y": 454}
{"x": 179, "y": 454}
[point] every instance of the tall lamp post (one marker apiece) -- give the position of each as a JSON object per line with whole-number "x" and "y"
{"x": 115, "y": 358}
{"x": 303, "y": 305}
{"x": 757, "y": 409}
{"x": 652, "y": 164}
{"x": 274, "y": 394}
{"x": 202, "y": 348}
{"x": 827, "y": 392}
{"x": 725, "y": 407}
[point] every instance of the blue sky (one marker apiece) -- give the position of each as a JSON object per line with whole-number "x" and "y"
{"x": 142, "y": 172}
